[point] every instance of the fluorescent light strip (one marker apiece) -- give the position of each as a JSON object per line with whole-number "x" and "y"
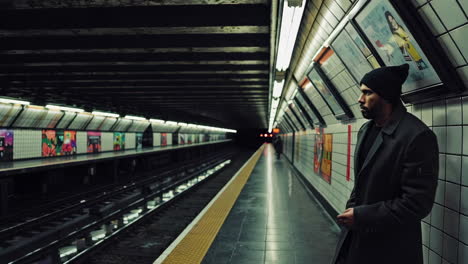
{"x": 157, "y": 121}
{"x": 64, "y": 108}
{"x": 278, "y": 88}
{"x": 171, "y": 123}
{"x": 105, "y": 114}
{"x": 135, "y": 117}
{"x": 182, "y": 124}
{"x": 13, "y": 101}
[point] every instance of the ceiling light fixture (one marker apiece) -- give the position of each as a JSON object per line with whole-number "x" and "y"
{"x": 64, "y": 108}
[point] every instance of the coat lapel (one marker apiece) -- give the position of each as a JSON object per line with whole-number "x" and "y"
{"x": 361, "y": 135}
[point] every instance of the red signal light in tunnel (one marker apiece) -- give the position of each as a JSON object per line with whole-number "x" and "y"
{"x": 261, "y": 135}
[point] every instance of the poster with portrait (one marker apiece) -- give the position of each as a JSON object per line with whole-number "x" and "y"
{"x": 94, "y": 142}
{"x": 326, "y": 166}
{"x": 119, "y": 141}
{"x": 318, "y": 150}
{"x": 50, "y": 144}
{"x": 6, "y": 145}
{"x": 139, "y": 140}
{"x": 395, "y": 44}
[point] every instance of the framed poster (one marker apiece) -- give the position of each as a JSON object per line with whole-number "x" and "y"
{"x": 94, "y": 142}
{"x": 329, "y": 94}
{"x": 326, "y": 166}
{"x": 398, "y": 36}
{"x": 6, "y": 145}
{"x": 352, "y": 55}
{"x": 303, "y": 96}
{"x": 119, "y": 141}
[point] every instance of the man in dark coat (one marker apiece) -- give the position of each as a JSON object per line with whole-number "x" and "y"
{"x": 396, "y": 171}
{"x": 278, "y": 144}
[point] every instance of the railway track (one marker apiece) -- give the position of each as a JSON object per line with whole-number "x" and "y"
{"x": 70, "y": 228}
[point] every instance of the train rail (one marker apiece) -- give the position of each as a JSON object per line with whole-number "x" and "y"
{"x": 72, "y": 227}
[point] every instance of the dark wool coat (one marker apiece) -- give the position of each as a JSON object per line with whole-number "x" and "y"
{"x": 394, "y": 189}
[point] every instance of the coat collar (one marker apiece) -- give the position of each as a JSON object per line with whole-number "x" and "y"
{"x": 388, "y": 129}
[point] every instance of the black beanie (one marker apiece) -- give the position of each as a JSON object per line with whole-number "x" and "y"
{"x": 387, "y": 81}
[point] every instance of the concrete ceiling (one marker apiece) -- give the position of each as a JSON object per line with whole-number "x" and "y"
{"x": 199, "y": 61}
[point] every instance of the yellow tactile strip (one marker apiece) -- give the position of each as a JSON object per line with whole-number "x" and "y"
{"x": 194, "y": 246}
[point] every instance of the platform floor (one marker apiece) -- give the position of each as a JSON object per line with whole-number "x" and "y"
{"x": 274, "y": 220}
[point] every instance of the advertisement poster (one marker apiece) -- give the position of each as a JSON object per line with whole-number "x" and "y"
{"x": 139, "y": 140}
{"x": 119, "y": 141}
{"x": 196, "y": 138}
{"x": 50, "y": 143}
{"x": 6, "y": 145}
{"x": 58, "y": 143}
{"x": 189, "y": 138}
{"x": 68, "y": 140}
{"x": 94, "y": 142}
{"x": 163, "y": 139}
{"x": 326, "y": 167}
{"x": 318, "y": 150}
{"x": 395, "y": 44}
{"x": 206, "y": 137}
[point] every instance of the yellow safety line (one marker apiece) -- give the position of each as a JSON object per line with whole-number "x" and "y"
{"x": 193, "y": 248}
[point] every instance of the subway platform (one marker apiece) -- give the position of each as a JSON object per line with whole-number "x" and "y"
{"x": 272, "y": 220}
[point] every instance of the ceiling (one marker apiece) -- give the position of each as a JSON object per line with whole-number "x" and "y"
{"x": 196, "y": 61}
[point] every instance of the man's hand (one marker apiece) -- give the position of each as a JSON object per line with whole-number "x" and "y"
{"x": 347, "y": 217}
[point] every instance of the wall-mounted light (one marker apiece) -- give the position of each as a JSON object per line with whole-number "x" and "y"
{"x": 157, "y": 121}
{"x": 64, "y": 108}
{"x": 290, "y": 22}
{"x": 105, "y": 114}
{"x": 13, "y": 101}
{"x": 135, "y": 118}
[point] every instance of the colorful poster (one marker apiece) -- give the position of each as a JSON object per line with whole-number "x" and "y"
{"x": 94, "y": 142}
{"x": 6, "y": 145}
{"x": 163, "y": 139}
{"x": 58, "y": 143}
{"x": 139, "y": 140}
{"x": 389, "y": 35}
{"x": 68, "y": 142}
{"x": 196, "y": 139}
{"x": 326, "y": 167}
{"x": 119, "y": 141}
{"x": 189, "y": 138}
{"x": 49, "y": 143}
{"x": 318, "y": 150}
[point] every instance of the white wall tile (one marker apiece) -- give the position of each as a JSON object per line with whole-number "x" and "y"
{"x": 442, "y": 158}
{"x": 439, "y": 116}
{"x": 451, "y": 222}
{"x": 454, "y": 138}
{"x": 437, "y": 216}
{"x": 427, "y": 114}
{"x": 464, "y": 5}
{"x": 459, "y": 36}
{"x": 454, "y": 111}
{"x": 130, "y": 140}
{"x": 465, "y": 110}
{"x": 462, "y": 253}
{"x": 453, "y": 170}
{"x": 425, "y": 230}
{"x": 425, "y": 255}
{"x": 81, "y": 142}
{"x": 464, "y": 177}
{"x": 452, "y": 196}
{"x": 465, "y": 141}
{"x": 463, "y": 235}
{"x": 450, "y": 249}
{"x": 431, "y": 19}
{"x": 451, "y": 50}
{"x": 107, "y": 141}
{"x": 463, "y": 73}
{"x": 440, "y": 192}
{"x": 437, "y": 241}
{"x": 449, "y": 12}
{"x": 441, "y": 133}
{"x": 464, "y": 200}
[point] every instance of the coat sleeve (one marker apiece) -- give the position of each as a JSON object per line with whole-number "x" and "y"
{"x": 417, "y": 191}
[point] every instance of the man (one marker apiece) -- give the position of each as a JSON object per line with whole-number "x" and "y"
{"x": 278, "y": 145}
{"x": 396, "y": 171}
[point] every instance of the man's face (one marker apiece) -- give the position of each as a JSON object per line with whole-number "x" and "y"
{"x": 370, "y": 102}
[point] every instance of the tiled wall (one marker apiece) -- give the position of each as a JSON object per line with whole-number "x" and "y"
{"x": 130, "y": 140}
{"x": 81, "y": 142}
{"x": 156, "y": 139}
{"x": 107, "y": 141}
{"x": 27, "y": 144}
{"x": 445, "y": 230}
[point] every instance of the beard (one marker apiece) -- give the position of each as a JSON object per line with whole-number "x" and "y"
{"x": 367, "y": 113}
